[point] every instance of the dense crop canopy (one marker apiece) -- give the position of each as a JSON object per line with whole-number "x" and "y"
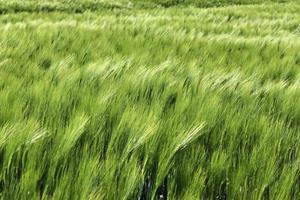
{"x": 133, "y": 100}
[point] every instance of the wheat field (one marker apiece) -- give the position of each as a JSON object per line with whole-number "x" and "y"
{"x": 145, "y": 99}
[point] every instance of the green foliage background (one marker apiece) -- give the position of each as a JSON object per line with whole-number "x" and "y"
{"x": 134, "y": 100}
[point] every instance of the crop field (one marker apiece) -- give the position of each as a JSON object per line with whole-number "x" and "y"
{"x": 150, "y": 99}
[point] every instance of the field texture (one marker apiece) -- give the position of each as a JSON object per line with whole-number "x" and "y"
{"x": 167, "y": 99}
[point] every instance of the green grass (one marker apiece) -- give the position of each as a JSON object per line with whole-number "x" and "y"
{"x": 110, "y": 100}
